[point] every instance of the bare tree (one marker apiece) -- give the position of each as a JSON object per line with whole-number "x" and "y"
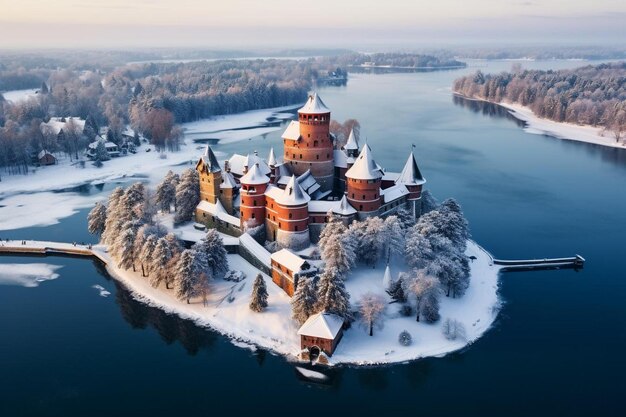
{"x": 371, "y": 306}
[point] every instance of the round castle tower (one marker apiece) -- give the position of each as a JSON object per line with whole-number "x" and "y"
{"x": 413, "y": 180}
{"x": 252, "y": 209}
{"x": 312, "y": 148}
{"x": 363, "y": 184}
{"x": 293, "y": 216}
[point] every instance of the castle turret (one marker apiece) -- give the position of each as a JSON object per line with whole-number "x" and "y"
{"x": 210, "y": 174}
{"x": 412, "y": 179}
{"x": 308, "y": 143}
{"x": 292, "y": 212}
{"x": 352, "y": 145}
{"x": 253, "y": 186}
{"x": 271, "y": 162}
{"x": 363, "y": 184}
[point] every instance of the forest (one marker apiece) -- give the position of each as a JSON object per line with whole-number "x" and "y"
{"x": 403, "y": 60}
{"x": 590, "y": 95}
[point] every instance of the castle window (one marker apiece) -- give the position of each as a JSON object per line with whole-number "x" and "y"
{"x": 317, "y": 157}
{"x": 274, "y": 218}
{"x": 290, "y": 215}
{"x": 315, "y": 143}
{"x": 360, "y": 207}
{"x": 327, "y": 155}
{"x": 352, "y": 195}
{"x": 253, "y": 216}
{"x": 300, "y": 156}
{"x": 296, "y": 228}
{"x": 279, "y": 225}
{"x": 294, "y": 156}
{"x": 363, "y": 196}
{"x": 268, "y": 217}
{"x": 254, "y": 202}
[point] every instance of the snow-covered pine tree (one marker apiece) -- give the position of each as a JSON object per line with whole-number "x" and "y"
{"x": 212, "y": 247}
{"x": 123, "y": 249}
{"x": 112, "y": 224}
{"x": 456, "y": 228}
{"x": 392, "y": 236}
{"x": 186, "y": 276}
{"x": 406, "y": 218}
{"x": 304, "y": 300}
{"x": 166, "y": 192}
{"x": 132, "y": 205}
{"x": 187, "y": 196}
{"x": 97, "y": 219}
{"x": 452, "y": 270}
{"x": 337, "y": 256}
{"x": 100, "y": 154}
{"x": 258, "y": 301}
{"x": 161, "y": 263}
{"x": 146, "y": 253}
{"x": 333, "y": 227}
{"x": 332, "y": 296}
{"x": 371, "y": 307}
{"x": 429, "y": 202}
{"x": 396, "y": 290}
{"x": 367, "y": 237}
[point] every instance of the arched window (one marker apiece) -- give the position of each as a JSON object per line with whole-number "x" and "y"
{"x": 290, "y": 215}
{"x": 360, "y": 207}
{"x": 296, "y": 228}
{"x": 254, "y": 202}
{"x": 253, "y": 216}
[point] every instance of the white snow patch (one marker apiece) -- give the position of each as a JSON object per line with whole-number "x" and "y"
{"x": 314, "y": 375}
{"x": 27, "y": 275}
{"x": 15, "y": 96}
{"x": 101, "y": 290}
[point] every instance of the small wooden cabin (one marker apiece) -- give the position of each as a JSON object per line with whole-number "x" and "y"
{"x": 321, "y": 333}
{"x": 46, "y": 158}
{"x": 287, "y": 268}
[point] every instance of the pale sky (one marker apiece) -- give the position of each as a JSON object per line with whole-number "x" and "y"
{"x": 324, "y": 23}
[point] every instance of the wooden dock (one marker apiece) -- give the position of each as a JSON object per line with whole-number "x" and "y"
{"x": 575, "y": 262}
{"x": 35, "y": 247}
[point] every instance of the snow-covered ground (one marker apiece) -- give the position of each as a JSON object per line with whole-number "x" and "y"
{"x": 148, "y": 166}
{"x": 228, "y": 313}
{"x": 188, "y": 232}
{"x": 27, "y": 275}
{"x": 569, "y": 131}
{"x": 16, "y": 96}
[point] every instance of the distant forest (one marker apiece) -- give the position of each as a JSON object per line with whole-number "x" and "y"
{"x": 591, "y": 95}
{"x": 151, "y": 97}
{"x": 403, "y": 60}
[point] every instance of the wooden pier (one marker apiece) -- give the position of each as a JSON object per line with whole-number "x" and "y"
{"x": 34, "y": 247}
{"x": 574, "y": 262}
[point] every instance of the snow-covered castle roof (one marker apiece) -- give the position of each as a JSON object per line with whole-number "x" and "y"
{"x": 210, "y": 161}
{"x": 365, "y": 168}
{"x": 314, "y": 105}
{"x": 411, "y": 174}
{"x": 293, "y": 131}
{"x": 352, "y": 143}
{"x": 324, "y": 325}
{"x": 271, "y": 160}
{"x": 293, "y": 194}
{"x": 254, "y": 176}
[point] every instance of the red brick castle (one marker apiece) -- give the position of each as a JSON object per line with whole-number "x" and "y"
{"x": 292, "y": 199}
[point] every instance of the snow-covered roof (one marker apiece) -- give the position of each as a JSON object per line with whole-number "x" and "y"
{"x": 365, "y": 168}
{"x": 293, "y": 131}
{"x": 292, "y": 261}
{"x": 256, "y": 249}
{"x": 293, "y": 194}
{"x": 108, "y": 145}
{"x": 323, "y": 325}
{"x": 237, "y": 163}
{"x": 394, "y": 192}
{"x": 228, "y": 181}
{"x": 210, "y": 161}
{"x": 314, "y": 105}
{"x": 340, "y": 158}
{"x": 283, "y": 170}
{"x": 218, "y": 211}
{"x": 308, "y": 182}
{"x": 271, "y": 160}
{"x": 44, "y": 153}
{"x": 273, "y": 192}
{"x": 55, "y": 124}
{"x": 411, "y": 174}
{"x": 341, "y": 207}
{"x": 391, "y": 176}
{"x": 254, "y": 176}
{"x": 352, "y": 143}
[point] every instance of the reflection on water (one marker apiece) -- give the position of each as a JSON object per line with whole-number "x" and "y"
{"x": 485, "y": 108}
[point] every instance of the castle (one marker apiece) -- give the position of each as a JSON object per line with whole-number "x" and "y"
{"x": 292, "y": 199}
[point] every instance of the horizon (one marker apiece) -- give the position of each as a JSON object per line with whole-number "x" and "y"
{"x": 96, "y": 24}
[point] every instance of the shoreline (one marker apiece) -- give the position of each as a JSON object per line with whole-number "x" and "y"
{"x": 228, "y": 314}
{"x": 558, "y": 130}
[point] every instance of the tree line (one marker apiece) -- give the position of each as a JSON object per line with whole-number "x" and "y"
{"x": 590, "y": 95}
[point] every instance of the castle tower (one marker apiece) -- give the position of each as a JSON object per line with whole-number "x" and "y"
{"x": 363, "y": 184}
{"x": 210, "y": 176}
{"x": 253, "y": 186}
{"x": 292, "y": 214}
{"x": 413, "y": 180}
{"x": 308, "y": 144}
{"x": 352, "y": 145}
{"x": 271, "y": 162}
{"x": 228, "y": 190}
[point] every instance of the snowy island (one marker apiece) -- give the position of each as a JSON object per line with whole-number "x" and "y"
{"x": 323, "y": 256}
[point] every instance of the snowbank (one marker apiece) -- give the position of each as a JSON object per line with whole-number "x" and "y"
{"x": 227, "y": 312}
{"x": 560, "y": 130}
{"x": 27, "y": 275}
{"x": 15, "y": 96}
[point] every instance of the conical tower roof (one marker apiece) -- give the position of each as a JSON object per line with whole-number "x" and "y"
{"x": 411, "y": 174}
{"x": 345, "y": 208}
{"x": 271, "y": 160}
{"x": 314, "y": 105}
{"x": 293, "y": 194}
{"x": 210, "y": 161}
{"x": 254, "y": 176}
{"x": 387, "y": 278}
{"x": 352, "y": 143}
{"x": 364, "y": 168}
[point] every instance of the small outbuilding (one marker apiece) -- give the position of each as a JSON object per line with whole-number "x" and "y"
{"x": 287, "y": 268}
{"x": 46, "y": 158}
{"x": 321, "y": 333}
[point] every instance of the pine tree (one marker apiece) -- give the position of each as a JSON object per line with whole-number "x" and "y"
{"x": 97, "y": 219}
{"x": 258, "y": 301}
{"x": 166, "y": 192}
{"x": 304, "y": 300}
{"x": 337, "y": 256}
{"x": 333, "y": 227}
{"x": 187, "y": 196}
{"x": 332, "y": 296}
{"x": 100, "y": 153}
{"x": 124, "y": 246}
{"x": 146, "y": 253}
{"x": 426, "y": 289}
{"x": 161, "y": 263}
{"x": 396, "y": 290}
{"x": 113, "y": 224}
{"x": 214, "y": 254}
{"x": 133, "y": 203}
{"x": 186, "y": 276}
{"x": 392, "y": 237}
